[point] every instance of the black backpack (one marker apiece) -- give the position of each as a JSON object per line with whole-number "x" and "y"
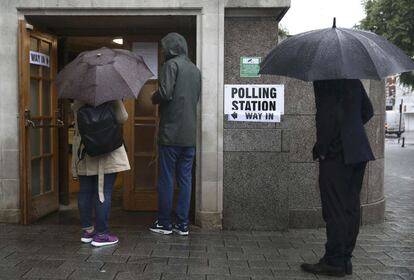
{"x": 99, "y": 130}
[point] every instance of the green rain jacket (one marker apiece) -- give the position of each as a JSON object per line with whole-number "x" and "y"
{"x": 178, "y": 94}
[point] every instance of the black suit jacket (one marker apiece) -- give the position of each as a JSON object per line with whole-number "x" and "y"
{"x": 342, "y": 109}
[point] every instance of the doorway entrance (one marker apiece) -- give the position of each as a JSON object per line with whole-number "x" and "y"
{"x": 134, "y": 190}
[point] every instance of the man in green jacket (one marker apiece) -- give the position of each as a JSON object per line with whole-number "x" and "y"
{"x": 177, "y": 96}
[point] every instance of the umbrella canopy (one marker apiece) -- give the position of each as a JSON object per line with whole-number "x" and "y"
{"x": 336, "y": 53}
{"x": 103, "y": 75}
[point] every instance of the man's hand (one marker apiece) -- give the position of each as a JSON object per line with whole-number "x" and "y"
{"x": 316, "y": 155}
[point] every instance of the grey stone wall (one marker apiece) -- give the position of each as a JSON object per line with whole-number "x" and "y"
{"x": 9, "y": 128}
{"x": 372, "y": 197}
{"x": 270, "y": 179}
{"x": 255, "y": 194}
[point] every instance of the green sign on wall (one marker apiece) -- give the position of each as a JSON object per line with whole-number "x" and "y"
{"x": 250, "y": 66}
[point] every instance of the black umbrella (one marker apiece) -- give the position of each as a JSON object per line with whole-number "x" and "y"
{"x": 103, "y": 75}
{"x": 336, "y": 53}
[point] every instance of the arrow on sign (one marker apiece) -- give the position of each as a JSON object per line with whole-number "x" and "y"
{"x": 234, "y": 115}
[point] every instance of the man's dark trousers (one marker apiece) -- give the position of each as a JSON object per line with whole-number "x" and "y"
{"x": 178, "y": 162}
{"x": 340, "y": 188}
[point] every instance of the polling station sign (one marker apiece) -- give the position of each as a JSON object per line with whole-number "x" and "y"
{"x": 254, "y": 117}
{"x": 39, "y": 59}
{"x": 258, "y": 103}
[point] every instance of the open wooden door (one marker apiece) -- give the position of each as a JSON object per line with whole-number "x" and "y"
{"x": 38, "y": 123}
{"x": 140, "y": 135}
{"x": 140, "y": 131}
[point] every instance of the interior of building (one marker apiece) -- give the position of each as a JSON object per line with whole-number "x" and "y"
{"x": 134, "y": 198}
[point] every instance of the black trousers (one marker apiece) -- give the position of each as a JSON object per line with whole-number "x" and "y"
{"x": 340, "y": 187}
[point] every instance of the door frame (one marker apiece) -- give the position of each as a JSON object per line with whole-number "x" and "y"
{"x": 205, "y": 214}
{"x": 23, "y": 87}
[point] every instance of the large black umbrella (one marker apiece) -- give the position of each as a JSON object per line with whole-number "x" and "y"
{"x": 103, "y": 75}
{"x": 336, "y": 53}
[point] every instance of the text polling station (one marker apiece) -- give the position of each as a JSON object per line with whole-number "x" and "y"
{"x": 254, "y": 103}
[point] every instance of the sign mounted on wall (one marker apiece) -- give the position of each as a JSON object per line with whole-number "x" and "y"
{"x": 149, "y": 51}
{"x": 39, "y": 59}
{"x": 254, "y": 103}
{"x": 250, "y": 66}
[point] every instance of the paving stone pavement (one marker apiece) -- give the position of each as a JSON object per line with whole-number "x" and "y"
{"x": 383, "y": 252}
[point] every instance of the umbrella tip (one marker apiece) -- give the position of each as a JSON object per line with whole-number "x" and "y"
{"x": 334, "y": 23}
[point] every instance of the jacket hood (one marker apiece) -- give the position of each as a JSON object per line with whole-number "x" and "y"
{"x": 174, "y": 44}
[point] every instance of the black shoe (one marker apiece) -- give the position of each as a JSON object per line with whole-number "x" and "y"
{"x": 181, "y": 229}
{"x": 324, "y": 269}
{"x": 158, "y": 228}
{"x": 348, "y": 267}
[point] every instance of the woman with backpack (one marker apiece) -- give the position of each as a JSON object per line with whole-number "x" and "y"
{"x": 97, "y": 175}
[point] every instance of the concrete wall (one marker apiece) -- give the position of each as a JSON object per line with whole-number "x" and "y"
{"x": 255, "y": 187}
{"x": 270, "y": 178}
{"x": 9, "y": 129}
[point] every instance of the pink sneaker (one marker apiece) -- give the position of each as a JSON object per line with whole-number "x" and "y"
{"x": 87, "y": 237}
{"x": 104, "y": 240}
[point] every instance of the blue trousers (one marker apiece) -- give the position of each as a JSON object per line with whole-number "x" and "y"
{"x": 88, "y": 199}
{"x": 176, "y": 161}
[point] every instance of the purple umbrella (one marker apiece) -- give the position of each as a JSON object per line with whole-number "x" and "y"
{"x": 102, "y": 75}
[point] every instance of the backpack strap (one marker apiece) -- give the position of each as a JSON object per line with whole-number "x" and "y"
{"x": 81, "y": 155}
{"x": 125, "y": 145}
{"x": 81, "y": 151}
{"x": 101, "y": 179}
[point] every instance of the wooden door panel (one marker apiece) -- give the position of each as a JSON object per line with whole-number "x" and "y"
{"x": 140, "y": 133}
{"x": 38, "y": 125}
{"x": 143, "y": 105}
{"x": 144, "y": 138}
{"x": 145, "y": 174}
